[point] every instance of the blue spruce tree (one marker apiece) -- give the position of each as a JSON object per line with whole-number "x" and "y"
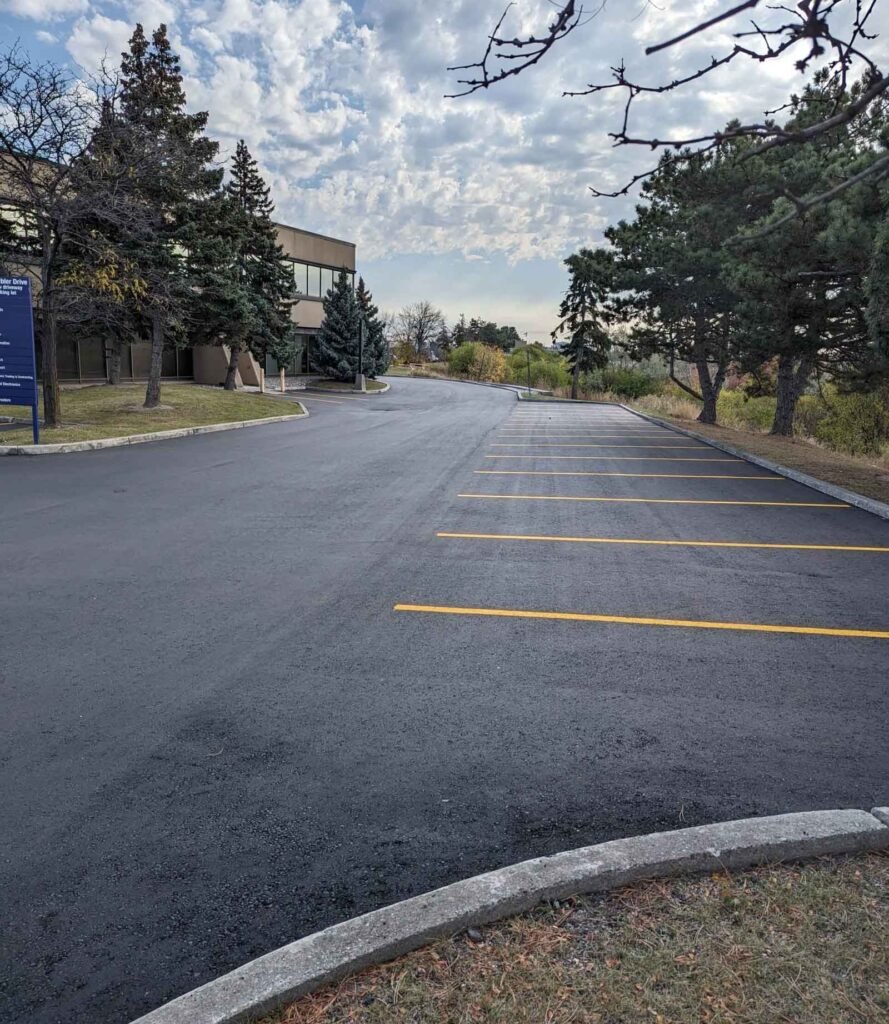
{"x": 336, "y": 352}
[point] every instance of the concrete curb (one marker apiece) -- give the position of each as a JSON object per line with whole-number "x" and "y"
{"x": 476, "y": 383}
{"x": 350, "y": 391}
{"x": 294, "y": 970}
{"x": 558, "y": 401}
{"x": 877, "y": 508}
{"x": 160, "y": 435}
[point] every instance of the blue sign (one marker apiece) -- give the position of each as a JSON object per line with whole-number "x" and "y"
{"x": 18, "y": 373}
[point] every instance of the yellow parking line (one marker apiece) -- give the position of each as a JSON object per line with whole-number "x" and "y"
{"x": 619, "y": 458}
{"x": 654, "y": 501}
{"x": 634, "y": 620}
{"x": 666, "y": 476}
{"x": 660, "y": 543}
{"x": 312, "y": 398}
{"x": 498, "y": 444}
{"x": 539, "y": 433}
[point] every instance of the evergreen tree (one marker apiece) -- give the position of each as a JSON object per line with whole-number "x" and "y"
{"x": 336, "y": 352}
{"x": 460, "y": 333}
{"x": 584, "y": 312}
{"x": 171, "y": 187}
{"x": 878, "y": 293}
{"x": 255, "y": 275}
{"x": 376, "y": 347}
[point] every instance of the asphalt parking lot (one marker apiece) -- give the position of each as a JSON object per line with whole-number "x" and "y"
{"x": 259, "y": 682}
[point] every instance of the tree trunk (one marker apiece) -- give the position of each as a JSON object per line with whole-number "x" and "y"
{"x": 575, "y": 377}
{"x": 231, "y": 373}
{"x": 114, "y": 363}
{"x": 710, "y": 389}
{"x": 49, "y": 357}
{"x": 791, "y": 383}
{"x": 153, "y": 391}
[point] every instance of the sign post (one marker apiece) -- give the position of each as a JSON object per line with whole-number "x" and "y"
{"x": 18, "y": 372}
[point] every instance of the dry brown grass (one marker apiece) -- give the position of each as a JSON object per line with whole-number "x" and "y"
{"x": 862, "y": 474}
{"x": 806, "y": 944}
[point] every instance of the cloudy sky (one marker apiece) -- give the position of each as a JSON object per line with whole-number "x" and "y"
{"x": 471, "y": 203}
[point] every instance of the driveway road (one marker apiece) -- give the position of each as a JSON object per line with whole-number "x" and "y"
{"x": 219, "y": 733}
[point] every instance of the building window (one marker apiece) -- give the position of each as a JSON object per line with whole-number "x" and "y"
{"x": 314, "y": 288}
{"x": 314, "y": 281}
{"x": 301, "y": 278}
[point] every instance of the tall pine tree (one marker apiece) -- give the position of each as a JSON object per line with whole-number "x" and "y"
{"x": 376, "y": 347}
{"x": 244, "y": 283}
{"x": 336, "y": 352}
{"x": 583, "y": 312}
{"x": 171, "y": 186}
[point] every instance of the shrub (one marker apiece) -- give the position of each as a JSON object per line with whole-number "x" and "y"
{"x": 476, "y": 361}
{"x": 460, "y": 360}
{"x": 857, "y": 424}
{"x": 736, "y": 409}
{"x": 624, "y": 382}
{"x": 549, "y": 369}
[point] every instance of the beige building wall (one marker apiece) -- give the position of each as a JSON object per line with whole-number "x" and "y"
{"x": 319, "y": 250}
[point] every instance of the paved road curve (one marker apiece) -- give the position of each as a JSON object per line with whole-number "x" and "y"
{"x": 219, "y": 734}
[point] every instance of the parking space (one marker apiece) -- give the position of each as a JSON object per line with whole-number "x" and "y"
{"x": 593, "y": 515}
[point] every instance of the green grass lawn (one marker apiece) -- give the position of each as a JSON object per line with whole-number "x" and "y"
{"x": 102, "y": 411}
{"x": 793, "y": 944}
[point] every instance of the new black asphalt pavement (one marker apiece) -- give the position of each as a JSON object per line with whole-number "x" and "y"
{"x": 218, "y": 734}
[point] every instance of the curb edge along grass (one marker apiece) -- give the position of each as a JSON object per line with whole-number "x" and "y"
{"x": 128, "y": 439}
{"x": 285, "y": 974}
{"x": 877, "y": 508}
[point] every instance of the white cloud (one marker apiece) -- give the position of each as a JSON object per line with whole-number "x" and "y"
{"x": 46, "y": 10}
{"x": 343, "y": 105}
{"x": 96, "y": 38}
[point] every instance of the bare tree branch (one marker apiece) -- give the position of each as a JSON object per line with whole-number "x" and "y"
{"x": 811, "y": 25}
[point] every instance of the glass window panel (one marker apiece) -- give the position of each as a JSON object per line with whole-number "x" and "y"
{"x": 326, "y": 280}
{"x": 168, "y": 363}
{"x": 185, "y": 359}
{"x": 92, "y": 358}
{"x": 314, "y": 285}
{"x": 301, "y": 278}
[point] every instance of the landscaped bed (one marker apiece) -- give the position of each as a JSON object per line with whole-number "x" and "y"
{"x": 807, "y": 944}
{"x": 102, "y": 411}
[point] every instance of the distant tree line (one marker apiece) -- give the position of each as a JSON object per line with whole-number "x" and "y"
{"x": 419, "y": 333}
{"x": 121, "y": 212}
{"x": 717, "y": 269}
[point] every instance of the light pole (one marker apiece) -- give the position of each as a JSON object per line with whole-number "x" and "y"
{"x": 360, "y": 380}
{"x": 528, "y": 355}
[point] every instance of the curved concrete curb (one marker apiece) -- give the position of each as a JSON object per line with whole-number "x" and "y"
{"x": 350, "y": 391}
{"x": 557, "y": 401}
{"x": 159, "y": 435}
{"x": 878, "y": 508}
{"x": 294, "y": 970}
{"x": 475, "y": 383}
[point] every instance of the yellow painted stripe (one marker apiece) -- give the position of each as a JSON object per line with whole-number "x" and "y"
{"x": 635, "y": 620}
{"x": 311, "y": 398}
{"x": 661, "y": 543}
{"x": 625, "y": 435}
{"x": 620, "y": 458}
{"x": 498, "y": 444}
{"x": 654, "y": 501}
{"x": 666, "y": 476}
